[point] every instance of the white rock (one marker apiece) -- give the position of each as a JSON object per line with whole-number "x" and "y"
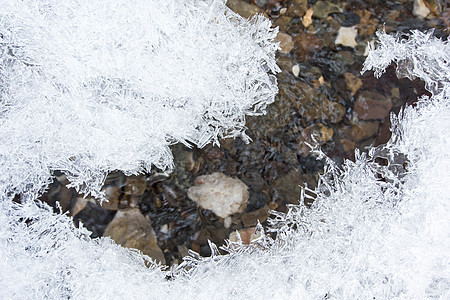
{"x": 347, "y": 36}
{"x": 420, "y": 9}
{"x": 296, "y": 70}
{"x": 221, "y": 194}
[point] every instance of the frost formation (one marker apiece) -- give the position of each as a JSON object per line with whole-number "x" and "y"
{"x": 88, "y": 87}
{"x": 375, "y": 230}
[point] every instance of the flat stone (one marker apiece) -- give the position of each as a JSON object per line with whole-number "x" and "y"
{"x": 252, "y": 218}
{"x": 361, "y": 130}
{"x": 323, "y": 8}
{"x": 247, "y": 235}
{"x": 131, "y": 229}
{"x": 353, "y": 83}
{"x": 244, "y": 9}
{"x": 286, "y": 42}
{"x": 306, "y": 44}
{"x": 219, "y": 193}
{"x": 347, "y": 36}
{"x": 315, "y": 135}
{"x": 420, "y": 9}
{"x": 372, "y": 106}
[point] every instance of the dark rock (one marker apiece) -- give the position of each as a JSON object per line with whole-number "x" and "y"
{"x": 372, "y": 106}
{"x": 252, "y": 218}
{"x": 361, "y": 130}
{"x": 315, "y": 135}
{"x": 306, "y": 44}
{"x": 323, "y": 8}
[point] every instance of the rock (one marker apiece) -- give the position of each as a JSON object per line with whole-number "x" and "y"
{"x": 219, "y": 193}
{"x": 252, "y": 218}
{"x": 296, "y": 70}
{"x": 112, "y": 194}
{"x": 131, "y": 229}
{"x": 306, "y": 44}
{"x": 361, "y": 130}
{"x": 307, "y": 18}
{"x": 287, "y": 188}
{"x": 286, "y": 42}
{"x": 353, "y": 83}
{"x": 314, "y": 106}
{"x": 297, "y": 10}
{"x": 420, "y": 9}
{"x": 323, "y": 8}
{"x": 247, "y": 235}
{"x": 315, "y": 135}
{"x": 135, "y": 187}
{"x": 285, "y": 63}
{"x": 367, "y": 26}
{"x": 244, "y": 9}
{"x": 347, "y": 36}
{"x": 372, "y": 106}
{"x": 80, "y": 204}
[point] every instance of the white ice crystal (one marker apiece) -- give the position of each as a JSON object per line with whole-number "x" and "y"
{"x": 88, "y": 87}
{"x": 375, "y": 230}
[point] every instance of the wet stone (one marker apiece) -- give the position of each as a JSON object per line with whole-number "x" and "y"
{"x": 347, "y": 36}
{"x": 246, "y": 235}
{"x": 252, "y": 218}
{"x": 314, "y": 135}
{"x": 219, "y": 193}
{"x": 323, "y": 8}
{"x": 306, "y": 44}
{"x": 286, "y": 42}
{"x": 361, "y": 130}
{"x": 372, "y": 106}
{"x": 131, "y": 229}
{"x": 353, "y": 83}
{"x": 244, "y": 9}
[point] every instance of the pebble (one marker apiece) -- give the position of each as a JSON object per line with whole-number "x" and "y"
{"x": 252, "y": 218}
{"x": 307, "y": 18}
{"x": 131, "y": 229}
{"x": 219, "y": 193}
{"x": 323, "y": 8}
{"x": 347, "y": 36}
{"x": 361, "y": 130}
{"x": 244, "y": 9}
{"x": 247, "y": 235}
{"x": 420, "y": 9}
{"x": 353, "y": 83}
{"x": 315, "y": 135}
{"x": 372, "y": 106}
{"x": 286, "y": 42}
{"x": 296, "y": 70}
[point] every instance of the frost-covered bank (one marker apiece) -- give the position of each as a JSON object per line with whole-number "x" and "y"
{"x": 374, "y": 231}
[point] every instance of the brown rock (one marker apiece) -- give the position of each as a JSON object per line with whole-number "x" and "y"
{"x": 361, "y": 130}
{"x": 372, "y": 106}
{"x": 297, "y": 10}
{"x": 112, "y": 194}
{"x": 131, "y": 229}
{"x": 286, "y": 42}
{"x": 247, "y": 235}
{"x": 244, "y": 9}
{"x": 353, "y": 83}
{"x": 314, "y": 106}
{"x": 315, "y": 135}
{"x": 306, "y": 44}
{"x": 252, "y": 218}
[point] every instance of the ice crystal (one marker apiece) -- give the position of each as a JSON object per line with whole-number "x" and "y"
{"x": 88, "y": 87}
{"x": 375, "y": 230}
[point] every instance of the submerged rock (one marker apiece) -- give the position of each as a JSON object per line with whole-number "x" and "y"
{"x": 131, "y": 229}
{"x": 372, "y": 106}
{"x": 219, "y": 193}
